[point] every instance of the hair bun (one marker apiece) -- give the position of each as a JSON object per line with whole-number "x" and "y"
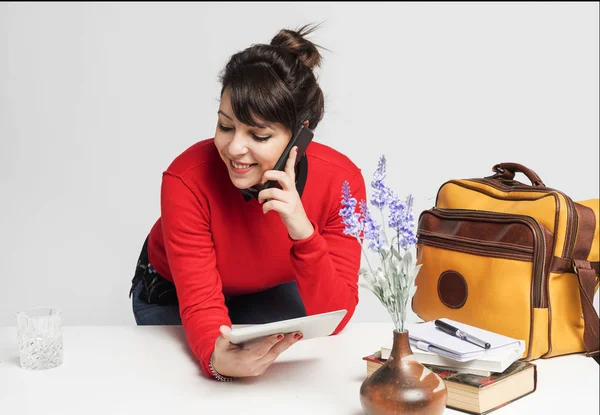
{"x": 294, "y": 41}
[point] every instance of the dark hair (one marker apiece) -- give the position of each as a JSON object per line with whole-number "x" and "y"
{"x": 276, "y": 82}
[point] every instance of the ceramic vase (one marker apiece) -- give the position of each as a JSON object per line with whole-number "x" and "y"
{"x": 402, "y": 385}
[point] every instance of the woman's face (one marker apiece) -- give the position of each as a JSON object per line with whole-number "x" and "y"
{"x": 248, "y": 152}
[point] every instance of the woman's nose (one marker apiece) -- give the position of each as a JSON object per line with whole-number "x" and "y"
{"x": 238, "y": 145}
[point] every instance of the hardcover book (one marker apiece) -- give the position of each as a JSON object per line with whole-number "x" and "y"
{"x": 479, "y": 394}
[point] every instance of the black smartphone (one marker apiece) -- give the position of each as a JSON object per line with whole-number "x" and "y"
{"x": 301, "y": 139}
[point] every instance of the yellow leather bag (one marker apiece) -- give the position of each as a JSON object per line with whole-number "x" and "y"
{"x": 516, "y": 259}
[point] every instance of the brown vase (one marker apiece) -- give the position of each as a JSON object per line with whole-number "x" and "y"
{"x": 402, "y": 385}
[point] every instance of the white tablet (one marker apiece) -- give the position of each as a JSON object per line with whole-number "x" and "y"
{"x": 318, "y": 325}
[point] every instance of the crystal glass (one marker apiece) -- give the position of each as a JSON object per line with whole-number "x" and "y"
{"x": 39, "y": 332}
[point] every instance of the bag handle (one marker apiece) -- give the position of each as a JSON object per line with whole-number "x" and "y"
{"x": 507, "y": 171}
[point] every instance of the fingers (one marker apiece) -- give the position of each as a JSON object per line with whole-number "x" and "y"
{"x": 277, "y": 206}
{"x": 282, "y": 177}
{"x": 272, "y": 194}
{"x": 285, "y": 178}
{"x": 225, "y": 330}
{"x": 223, "y": 339}
{"x": 279, "y": 348}
{"x": 264, "y": 346}
{"x": 254, "y": 361}
{"x": 290, "y": 164}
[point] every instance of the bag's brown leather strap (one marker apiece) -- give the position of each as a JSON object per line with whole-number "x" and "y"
{"x": 560, "y": 265}
{"x": 586, "y": 276}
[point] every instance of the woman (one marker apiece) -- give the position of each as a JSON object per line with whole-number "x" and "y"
{"x": 224, "y": 253}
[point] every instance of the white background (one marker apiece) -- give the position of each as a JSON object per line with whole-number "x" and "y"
{"x": 97, "y": 99}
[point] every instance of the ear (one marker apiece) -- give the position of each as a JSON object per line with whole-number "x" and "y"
{"x": 305, "y": 123}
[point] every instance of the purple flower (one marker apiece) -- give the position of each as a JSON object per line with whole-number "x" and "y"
{"x": 372, "y": 229}
{"x": 397, "y": 209}
{"x": 381, "y": 193}
{"x": 406, "y": 233}
{"x": 364, "y": 227}
{"x": 379, "y": 174}
{"x": 350, "y": 217}
{"x": 402, "y": 221}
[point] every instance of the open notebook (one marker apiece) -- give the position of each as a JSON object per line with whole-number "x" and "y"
{"x": 426, "y": 336}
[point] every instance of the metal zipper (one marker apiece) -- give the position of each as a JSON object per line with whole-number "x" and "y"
{"x": 572, "y": 219}
{"x": 468, "y": 245}
{"x": 539, "y": 253}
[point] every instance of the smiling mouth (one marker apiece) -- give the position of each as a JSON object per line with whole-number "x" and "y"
{"x": 241, "y": 166}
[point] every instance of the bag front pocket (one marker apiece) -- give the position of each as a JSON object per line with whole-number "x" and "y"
{"x": 476, "y": 247}
{"x": 482, "y": 268}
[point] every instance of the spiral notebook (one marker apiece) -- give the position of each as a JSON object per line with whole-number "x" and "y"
{"x": 426, "y": 336}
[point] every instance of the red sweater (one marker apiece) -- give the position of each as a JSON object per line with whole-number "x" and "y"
{"x": 211, "y": 242}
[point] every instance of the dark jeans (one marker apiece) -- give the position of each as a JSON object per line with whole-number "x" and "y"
{"x": 281, "y": 302}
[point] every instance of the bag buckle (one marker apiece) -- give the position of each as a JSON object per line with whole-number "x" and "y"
{"x": 580, "y": 264}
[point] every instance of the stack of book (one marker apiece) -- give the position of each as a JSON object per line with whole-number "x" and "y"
{"x": 478, "y": 381}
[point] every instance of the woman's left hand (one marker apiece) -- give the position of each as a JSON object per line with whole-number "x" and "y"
{"x": 286, "y": 201}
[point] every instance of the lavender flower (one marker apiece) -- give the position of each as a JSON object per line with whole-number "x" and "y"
{"x": 394, "y": 281}
{"x": 372, "y": 229}
{"x": 379, "y": 174}
{"x": 397, "y": 208}
{"x": 406, "y": 233}
{"x": 381, "y": 193}
{"x": 402, "y": 221}
{"x": 349, "y": 217}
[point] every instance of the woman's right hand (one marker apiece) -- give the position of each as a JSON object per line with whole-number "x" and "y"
{"x": 234, "y": 361}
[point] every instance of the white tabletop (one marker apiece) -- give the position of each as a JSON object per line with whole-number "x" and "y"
{"x": 148, "y": 370}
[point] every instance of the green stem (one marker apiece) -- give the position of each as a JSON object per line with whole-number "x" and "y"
{"x": 387, "y": 242}
{"x": 383, "y": 227}
{"x": 362, "y": 248}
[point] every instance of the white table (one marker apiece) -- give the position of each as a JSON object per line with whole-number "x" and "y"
{"x": 148, "y": 370}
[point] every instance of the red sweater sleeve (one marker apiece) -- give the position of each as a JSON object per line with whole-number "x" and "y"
{"x": 326, "y": 264}
{"x": 192, "y": 259}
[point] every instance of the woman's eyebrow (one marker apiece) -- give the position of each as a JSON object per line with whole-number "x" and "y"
{"x": 267, "y": 125}
{"x": 261, "y": 125}
{"x": 224, "y": 115}
{"x": 258, "y": 124}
